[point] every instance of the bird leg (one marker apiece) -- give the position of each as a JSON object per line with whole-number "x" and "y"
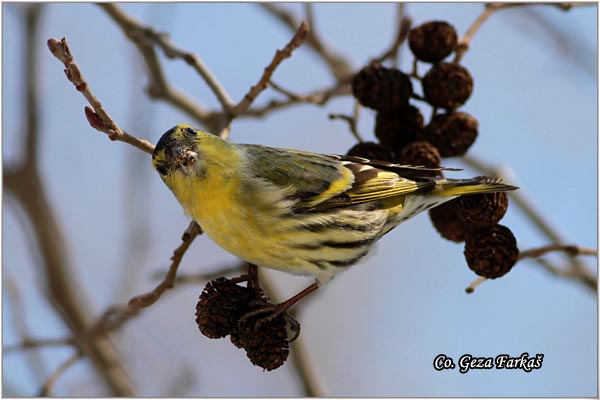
{"x": 272, "y": 311}
{"x": 261, "y": 305}
{"x": 253, "y": 278}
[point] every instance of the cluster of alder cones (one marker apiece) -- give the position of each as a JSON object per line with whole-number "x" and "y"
{"x": 490, "y": 248}
{"x": 220, "y": 311}
{"x": 403, "y": 137}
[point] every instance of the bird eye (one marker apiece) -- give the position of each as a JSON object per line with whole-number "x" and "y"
{"x": 190, "y": 131}
{"x": 162, "y": 170}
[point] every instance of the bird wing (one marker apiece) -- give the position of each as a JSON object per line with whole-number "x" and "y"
{"x": 317, "y": 181}
{"x": 306, "y": 178}
{"x": 377, "y": 180}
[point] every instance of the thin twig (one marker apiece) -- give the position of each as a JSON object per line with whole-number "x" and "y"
{"x": 280, "y": 55}
{"x": 490, "y": 9}
{"x": 338, "y": 65}
{"x": 147, "y": 299}
{"x": 291, "y": 95}
{"x": 46, "y": 390}
{"x": 112, "y": 318}
{"x": 310, "y": 15}
{"x": 18, "y": 313}
{"x": 550, "y": 267}
{"x": 158, "y": 85}
{"x": 568, "y": 6}
{"x": 404, "y": 24}
{"x": 144, "y": 35}
{"x": 356, "y": 116}
{"x": 255, "y": 90}
{"x": 562, "y": 272}
{"x": 571, "y": 272}
{"x": 415, "y": 69}
{"x": 173, "y": 52}
{"x": 464, "y": 42}
{"x": 351, "y": 122}
{"x": 475, "y": 283}
{"x": 31, "y": 121}
{"x": 319, "y": 97}
{"x": 312, "y": 383}
{"x": 96, "y": 114}
{"x": 225, "y": 130}
{"x": 571, "y": 250}
{"x": 28, "y": 343}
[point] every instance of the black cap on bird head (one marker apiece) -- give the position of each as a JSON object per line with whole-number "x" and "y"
{"x": 164, "y": 141}
{"x": 170, "y": 151}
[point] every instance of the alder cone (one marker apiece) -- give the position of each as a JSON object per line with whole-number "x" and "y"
{"x": 491, "y": 251}
{"x": 381, "y": 88}
{"x": 432, "y": 41}
{"x": 447, "y": 85}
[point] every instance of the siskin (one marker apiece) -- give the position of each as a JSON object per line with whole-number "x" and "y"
{"x": 295, "y": 211}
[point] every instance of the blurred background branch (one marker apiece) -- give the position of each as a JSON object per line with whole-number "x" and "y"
{"x": 23, "y": 181}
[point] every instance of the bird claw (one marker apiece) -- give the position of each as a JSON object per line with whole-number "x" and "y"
{"x": 273, "y": 311}
{"x": 293, "y": 326}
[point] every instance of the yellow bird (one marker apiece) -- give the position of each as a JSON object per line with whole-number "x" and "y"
{"x": 295, "y": 211}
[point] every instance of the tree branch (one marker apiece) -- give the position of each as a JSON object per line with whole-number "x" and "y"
{"x": 147, "y": 299}
{"x": 404, "y": 24}
{"x": 352, "y": 121}
{"x": 338, "y": 65}
{"x": 319, "y": 97}
{"x": 280, "y": 55}
{"x": 571, "y": 250}
{"x": 490, "y": 9}
{"x": 13, "y": 301}
{"x": 97, "y": 116}
{"x": 24, "y": 182}
{"x": 46, "y": 390}
{"x": 31, "y": 121}
{"x": 29, "y": 343}
{"x": 145, "y": 37}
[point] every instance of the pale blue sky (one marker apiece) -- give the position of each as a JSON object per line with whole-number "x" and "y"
{"x": 375, "y": 330}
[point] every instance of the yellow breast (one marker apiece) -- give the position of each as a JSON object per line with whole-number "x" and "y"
{"x": 236, "y": 227}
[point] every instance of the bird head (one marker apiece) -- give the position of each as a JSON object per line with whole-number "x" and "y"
{"x": 178, "y": 152}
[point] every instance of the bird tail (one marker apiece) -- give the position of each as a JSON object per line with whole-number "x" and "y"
{"x": 477, "y": 185}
